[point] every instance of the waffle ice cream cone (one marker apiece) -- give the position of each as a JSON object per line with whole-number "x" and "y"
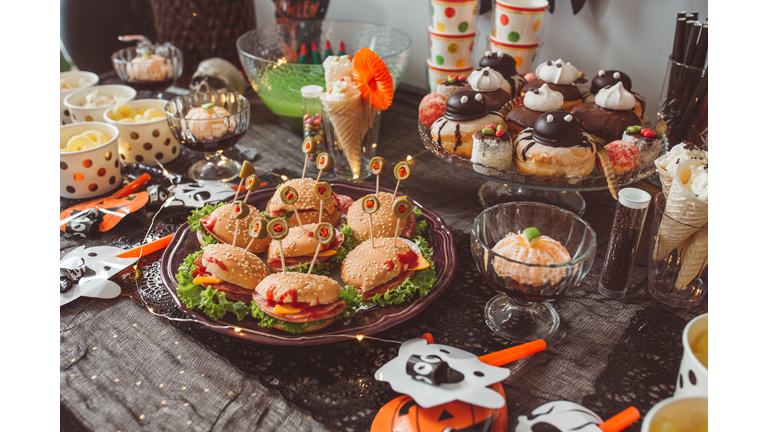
{"x": 694, "y": 258}
{"x": 336, "y": 68}
{"x": 687, "y": 203}
{"x": 668, "y": 163}
{"x": 348, "y": 126}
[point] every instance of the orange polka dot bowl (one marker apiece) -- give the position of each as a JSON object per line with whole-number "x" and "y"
{"x": 89, "y": 163}
{"x": 528, "y": 269}
{"x": 145, "y": 136}
{"x": 89, "y": 104}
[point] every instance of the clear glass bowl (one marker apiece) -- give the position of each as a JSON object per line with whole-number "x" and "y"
{"x": 210, "y": 135}
{"x": 269, "y": 56}
{"x": 152, "y": 79}
{"x": 521, "y": 312}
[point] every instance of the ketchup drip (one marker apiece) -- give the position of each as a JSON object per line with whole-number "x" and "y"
{"x": 408, "y": 257}
{"x": 214, "y": 260}
{"x": 209, "y": 222}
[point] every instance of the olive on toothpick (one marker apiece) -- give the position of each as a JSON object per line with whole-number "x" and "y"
{"x": 370, "y": 205}
{"x": 401, "y": 208}
{"x": 377, "y": 166}
{"x": 322, "y": 191}
{"x": 241, "y": 210}
{"x": 324, "y": 163}
{"x": 252, "y": 183}
{"x": 257, "y": 231}
{"x": 308, "y": 147}
{"x": 289, "y": 196}
{"x": 402, "y": 172}
{"x": 278, "y": 229}
{"x": 324, "y": 234}
{"x": 246, "y": 170}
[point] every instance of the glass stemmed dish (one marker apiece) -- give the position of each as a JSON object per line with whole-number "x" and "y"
{"x": 521, "y": 311}
{"x": 210, "y": 132}
{"x": 148, "y": 68}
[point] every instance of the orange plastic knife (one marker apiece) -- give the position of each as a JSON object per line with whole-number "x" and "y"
{"x": 148, "y": 248}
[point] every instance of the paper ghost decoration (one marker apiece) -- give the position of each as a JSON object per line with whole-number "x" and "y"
{"x": 194, "y": 195}
{"x": 414, "y": 371}
{"x": 559, "y": 416}
{"x": 101, "y": 263}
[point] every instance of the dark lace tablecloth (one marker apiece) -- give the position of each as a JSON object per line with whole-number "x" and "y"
{"x": 125, "y": 369}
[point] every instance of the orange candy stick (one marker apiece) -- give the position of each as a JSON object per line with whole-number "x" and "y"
{"x": 621, "y": 420}
{"x": 373, "y": 79}
{"x": 147, "y": 248}
{"x": 500, "y": 358}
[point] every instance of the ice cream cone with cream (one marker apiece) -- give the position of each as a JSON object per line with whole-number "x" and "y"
{"x": 668, "y": 163}
{"x": 693, "y": 257}
{"x": 686, "y": 207}
{"x": 344, "y": 105}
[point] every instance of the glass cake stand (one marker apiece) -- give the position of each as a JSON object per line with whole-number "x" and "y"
{"x": 511, "y": 185}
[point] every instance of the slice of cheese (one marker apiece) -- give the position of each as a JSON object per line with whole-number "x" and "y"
{"x": 285, "y": 309}
{"x": 326, "y": 253}
{"x": 206, "y": 279}
{"x": 421, "y": 264}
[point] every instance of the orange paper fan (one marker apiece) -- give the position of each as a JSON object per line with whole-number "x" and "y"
{"x": 373, "y": 79}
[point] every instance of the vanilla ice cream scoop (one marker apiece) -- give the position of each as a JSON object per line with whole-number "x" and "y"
{"x": 340, "y": 90}
{"x": 698, "y": 181}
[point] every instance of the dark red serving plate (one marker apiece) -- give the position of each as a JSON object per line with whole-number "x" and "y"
{"x": 366, "y": 322}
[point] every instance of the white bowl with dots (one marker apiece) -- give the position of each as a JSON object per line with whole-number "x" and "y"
{"x": 91, "y": 172}
{"x": 75, "y": 81}
{"x": 76, "y": 100}
{"x": 147, "y": 142}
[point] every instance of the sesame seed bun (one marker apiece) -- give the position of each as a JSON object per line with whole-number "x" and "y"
{"x": 312, "y": 289}
{"x": 312, "y": 216}
{"x": 307, "y": 198}
{"x": 364, "y": 266}
{"x": 297, "y": 243}
{"x": 384, "y": 222}
{"x": 224, "y": 228}
{"x": 242, "y": 270}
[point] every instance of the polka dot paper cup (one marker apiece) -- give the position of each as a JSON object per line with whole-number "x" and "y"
{"x": 92, "y": 172}
{"x": 693, "y": 377}
{"x": 518, "y": 21}
{"x": 436, "y": 74}
{"x": 524, "y": 54}
{"x": 77, "y": 80}
{"x": 80, "y": 114}
{"x": 450, "y": 51}
{"x": 454, "y": 16}
{"x": 672, "y": 414}
{"x": 145, "y": 143}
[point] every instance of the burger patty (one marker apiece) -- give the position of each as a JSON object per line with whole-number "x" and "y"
{"x": 307, "y": 314}
{"x": 381, "y": 289}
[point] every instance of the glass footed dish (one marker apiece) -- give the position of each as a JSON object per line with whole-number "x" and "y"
{"x": 513, "y": 177}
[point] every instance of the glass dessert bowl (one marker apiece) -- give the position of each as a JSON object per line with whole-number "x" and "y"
{"x": 148, "y": 68}
{"x": 521, "y": 311}
{"x": 210, "y": 122}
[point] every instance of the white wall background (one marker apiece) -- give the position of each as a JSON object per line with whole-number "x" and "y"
{"x": 633, "y": 36}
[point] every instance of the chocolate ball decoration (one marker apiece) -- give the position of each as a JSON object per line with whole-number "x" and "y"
{"x": 557, "y": 129}
{"x": 465, "y": 105}
{"x": 609, "y": 79}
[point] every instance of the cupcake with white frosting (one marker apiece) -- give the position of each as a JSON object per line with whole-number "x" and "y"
{"x": 492, "y": 86}
{"x": 558, "y": 75}
{"x": 506, "y": 65}
{"x": 609, "y": 78}
{"x": 534, "y": 103}
{"x": 609, "y": 115}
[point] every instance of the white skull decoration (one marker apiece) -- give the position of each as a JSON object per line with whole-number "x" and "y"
{"x": 101, "y": 263}
{"x": 194, "y": 195}
{"x": 559, "y": 416}
{"x": 464, "y": 377}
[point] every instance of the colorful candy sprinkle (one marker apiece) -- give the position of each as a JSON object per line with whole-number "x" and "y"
{"x": 500, "y": 133}
{"x": 488, "y": 131}
{"x": 500, "y": 127}
{"x": 462, "y": 78}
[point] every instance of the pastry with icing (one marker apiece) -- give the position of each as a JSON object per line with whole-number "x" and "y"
{"x": 534, "y": 103}
{"x": 507, "y": 67}
{"x": 647, "y": 141}
{"x": 452, "y": 84}
{"x": 559, "y": 75}
{"x": 555, "y": 147}
{"x": 492, "y": 85}
{"x": 492, "y": 146}
{"x": 583, "y": 84}
{"x": 466, "y": 113}
{"x": 609, "y": 115}
{"x": 610, "y": 78}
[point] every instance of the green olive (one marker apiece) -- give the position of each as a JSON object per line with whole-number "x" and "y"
{"x": 308, "y": 146}
{"x": 325, "y": 233}
{"x": 324, "y": 162}
{"x": 241, "y": 209}
{"x": 277, "y": 229}
{"x": 252, "y": 183}
{"x": 322, "y": 190}
{"x": 377, "y": 165}
{"x": 402, "y": 171}
{"x": 258, "y": 228}
{"x": 247, "y": 170}
{"x": 289, "y": 195}
{"x": 370, "y": 204}
{"x": 401, "y": 208}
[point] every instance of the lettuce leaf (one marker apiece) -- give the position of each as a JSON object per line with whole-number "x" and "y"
{"x": 420, "y": 283}
{"x": 212, "y": 302}
{"x": 266, "y": 320}
{"x": 286, "y": 215}
{"x": 351, "y": 297}
{"x": 421, "y": 225}
{"x": 345, "y": 248}
{"x": 195, "y": 224}
{"x": 322, "y": 269}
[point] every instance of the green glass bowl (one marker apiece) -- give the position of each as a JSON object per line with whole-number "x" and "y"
{"x": 266, "y": 51}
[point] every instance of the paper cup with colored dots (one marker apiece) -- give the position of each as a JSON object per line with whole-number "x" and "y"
{"x": 693, "y": 375}
{"x": 450, "y": 51}
{"x": 454, "y": 16}
{"x": 518, "y": 21}
{"x": 678, "y": 414}
{"x": 524, "y": 54}
{"x": 436, "y": 74}
{"x": 144, "y": 141}
{"x": 93, "y": 171}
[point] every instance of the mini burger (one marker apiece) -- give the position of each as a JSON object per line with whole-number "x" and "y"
{"x": 384, "y": 222}
{"x": 307, "y": 205}
{"x": 384, "y": 267}
{"x": 221, "y": 224}
{"x": 299, "y": 248}
{"x": 300, "y": 303}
